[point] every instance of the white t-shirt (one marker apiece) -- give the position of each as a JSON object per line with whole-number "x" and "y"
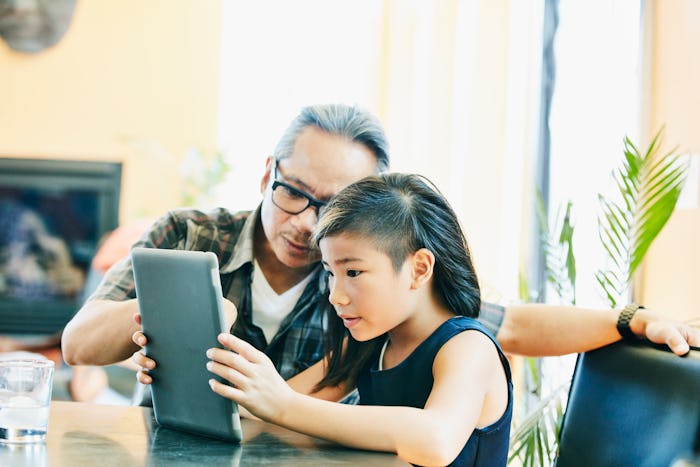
{"x": 269, "y": 308}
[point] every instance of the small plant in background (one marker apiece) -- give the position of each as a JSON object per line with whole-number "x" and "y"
{"x": 535, "y": 436}
{"x": 649, "y": 186}
{"x": 202, "y": 172}
{"x": 558, "y": 245}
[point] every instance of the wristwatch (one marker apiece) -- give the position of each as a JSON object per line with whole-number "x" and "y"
{"x": 623, "y": 321}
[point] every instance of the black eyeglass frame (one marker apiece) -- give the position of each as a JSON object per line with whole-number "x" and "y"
{"x": 310, "y": 200}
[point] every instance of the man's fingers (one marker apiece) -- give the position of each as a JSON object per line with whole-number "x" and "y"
{"x": 676, "y": 336}
{"x": 143, "y": 377}
{"x": 139, "y": 338}
{"x": 693, "y": 336}
{"x": 143, "y": 361}
{"x": 678, "y": 344}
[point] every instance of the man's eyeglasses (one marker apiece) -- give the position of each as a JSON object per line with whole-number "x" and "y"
{"x": 292, "y": 200}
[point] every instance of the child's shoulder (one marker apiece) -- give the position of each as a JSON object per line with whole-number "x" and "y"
{"x": 470, "y": 338}
{"x": 457, "y": 329}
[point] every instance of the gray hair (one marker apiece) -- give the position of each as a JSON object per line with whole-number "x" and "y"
{"x": 350, "y": 122}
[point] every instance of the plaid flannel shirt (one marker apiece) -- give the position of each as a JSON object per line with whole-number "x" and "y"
{"x": 298, "y": 343}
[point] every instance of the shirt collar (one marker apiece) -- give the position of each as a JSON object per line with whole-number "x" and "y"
{"x": 243, "y": 250}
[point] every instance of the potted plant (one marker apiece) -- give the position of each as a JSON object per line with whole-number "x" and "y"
{"x": 648, "y": 187}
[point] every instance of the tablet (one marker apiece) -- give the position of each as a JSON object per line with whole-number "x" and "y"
{"x": 165, "y": 448}
{"x": 181, "y": 306}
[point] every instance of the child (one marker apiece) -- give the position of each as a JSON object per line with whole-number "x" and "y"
{"x": 434, "y": 386}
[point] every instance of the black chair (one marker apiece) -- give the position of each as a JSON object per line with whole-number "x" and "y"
{"x": 632, "y": 405}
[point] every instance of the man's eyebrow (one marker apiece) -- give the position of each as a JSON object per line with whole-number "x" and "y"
{"x": 298, "y": 181}
{"x": 305, "y": 188}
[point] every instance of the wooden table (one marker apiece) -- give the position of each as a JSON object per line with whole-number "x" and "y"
{"x": 103, "y": 435}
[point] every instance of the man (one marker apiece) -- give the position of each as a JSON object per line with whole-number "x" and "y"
{"x": 272, "y": 276}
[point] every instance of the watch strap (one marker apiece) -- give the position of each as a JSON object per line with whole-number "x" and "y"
{"x": 624, "y": 319}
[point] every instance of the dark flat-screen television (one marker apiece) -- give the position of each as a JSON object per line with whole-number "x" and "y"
{"x": 53, "y": 214}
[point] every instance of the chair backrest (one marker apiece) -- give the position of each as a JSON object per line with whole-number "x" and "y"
{"x": 631, "y": 405}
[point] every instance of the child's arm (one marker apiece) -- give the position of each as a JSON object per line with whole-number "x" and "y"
{"x": 434, "y": 435}
{"x": 306, "y": 381}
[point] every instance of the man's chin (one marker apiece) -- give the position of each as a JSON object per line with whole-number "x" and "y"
{"x": 296, "y": 260}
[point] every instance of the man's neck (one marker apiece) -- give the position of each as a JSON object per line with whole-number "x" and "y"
{"x": 280, "y": 276}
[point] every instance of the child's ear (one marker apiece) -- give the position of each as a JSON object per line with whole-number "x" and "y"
{"x": 422, "y": 263}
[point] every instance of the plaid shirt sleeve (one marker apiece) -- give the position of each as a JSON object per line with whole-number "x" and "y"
{"x": 180, "y": 230}
{"x": 491, "y": 316}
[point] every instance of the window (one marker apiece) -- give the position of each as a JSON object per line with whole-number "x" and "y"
{"x": 596, "y": 103}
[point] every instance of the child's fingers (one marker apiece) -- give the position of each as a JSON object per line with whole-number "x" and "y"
{"x": 241, "y": 347}
{"x": 229, "y": 374}
{"x": 227, "y": 391}
{"x": 231, "y": 360}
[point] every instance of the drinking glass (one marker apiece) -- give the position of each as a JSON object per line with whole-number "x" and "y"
{"x": 25, "y": 394}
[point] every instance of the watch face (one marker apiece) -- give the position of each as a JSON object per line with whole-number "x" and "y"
{"x": 30, "y": 26}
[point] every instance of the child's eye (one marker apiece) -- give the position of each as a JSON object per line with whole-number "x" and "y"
{"x": 353, "y": 272}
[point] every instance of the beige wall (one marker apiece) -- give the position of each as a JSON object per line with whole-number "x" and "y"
{"x": 671, "y": 280}
{"x": 126, "y": 72}
{"x": 132, "y": 71}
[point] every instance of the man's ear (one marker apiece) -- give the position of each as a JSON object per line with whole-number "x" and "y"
{"x": 422, "y": 263}
{"x": 266, "y": 177}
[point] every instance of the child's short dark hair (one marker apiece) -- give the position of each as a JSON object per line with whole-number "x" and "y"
{"x": 400, "y": 214}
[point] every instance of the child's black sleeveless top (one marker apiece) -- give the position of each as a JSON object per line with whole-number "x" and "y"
{"x": 410, "y": 382}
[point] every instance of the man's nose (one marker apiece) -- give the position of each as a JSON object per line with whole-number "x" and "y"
{"x": 306, "y": 220}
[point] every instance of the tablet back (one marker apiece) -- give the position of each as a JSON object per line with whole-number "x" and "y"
{"x": 181, "y": 306}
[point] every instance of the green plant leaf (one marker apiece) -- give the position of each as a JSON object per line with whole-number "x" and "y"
{"x": 648, "y": 186}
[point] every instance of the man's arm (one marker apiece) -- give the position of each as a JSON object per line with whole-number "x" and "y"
{"x": 542, "y": 330}
{"x": 100, "y": 333}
